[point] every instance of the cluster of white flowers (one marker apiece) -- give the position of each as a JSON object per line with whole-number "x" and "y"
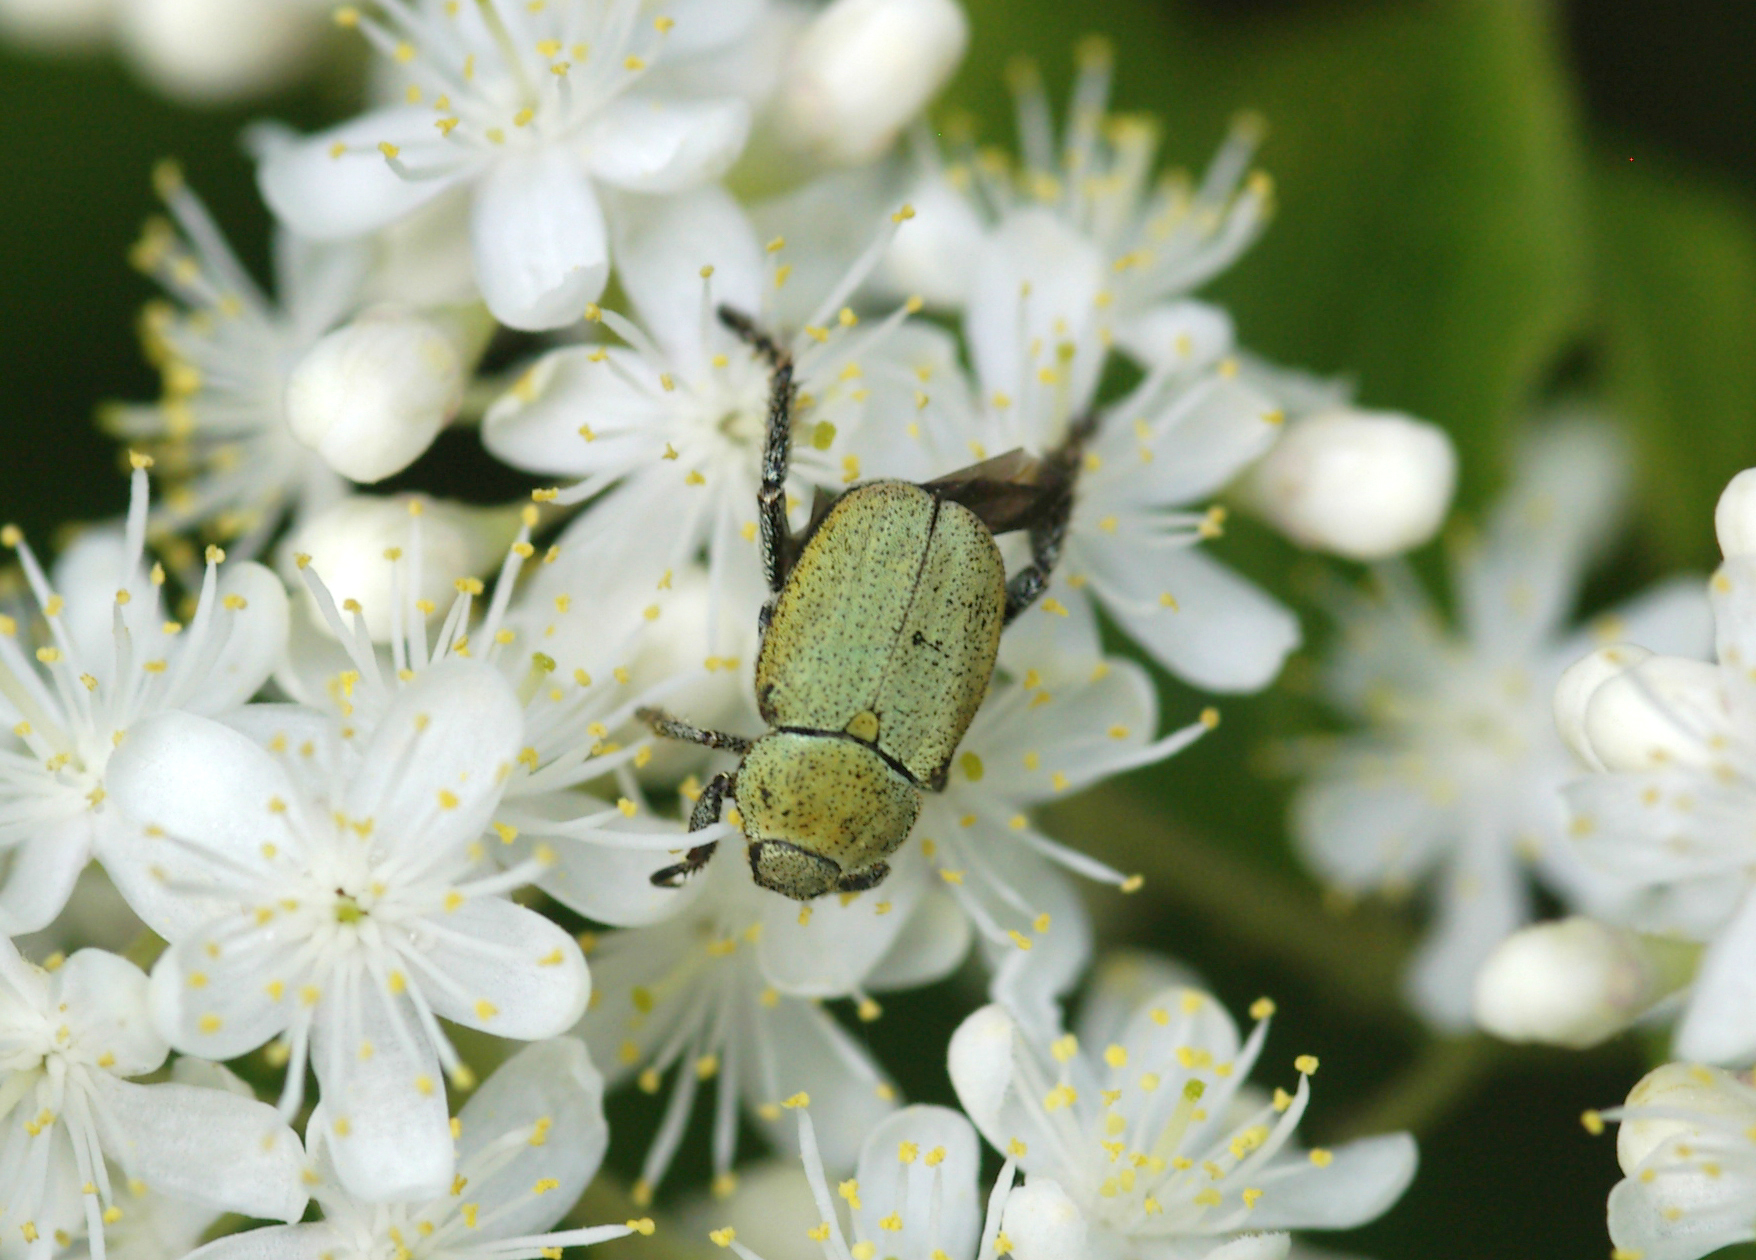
{"x": 364, "y": 794}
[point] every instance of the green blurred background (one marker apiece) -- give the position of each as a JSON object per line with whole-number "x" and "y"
{"x": 1483, "y": 204}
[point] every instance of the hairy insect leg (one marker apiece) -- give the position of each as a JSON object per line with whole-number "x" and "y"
{"x": 663, "y": 724}
{"x": 771, "y": 497}
{"x": 704, "y": 815}
{"x": 1049, "y": 535}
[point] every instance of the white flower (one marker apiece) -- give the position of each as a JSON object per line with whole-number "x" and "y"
{"x": 106, "y": 659}
{"x": 532, "y": 108}
{"x": 727, "y": 989}
{"x": 1156, "y": 238}
{"x": 57, "y": 26}
{"x": 225, "y": 352}
{"x": 1038, "y": 327}
{"x": 1676, "y": 741}
{"x": 1455, "y": 777}
{"x": 1146, "y": 1148}
{"x": 672, "y": 422}
{"x": 334, "y": 897}
{"x": 1686, "y": 1150}
{"x": 69, "y": 1039}
{"x": 528, "y": 1143}
{"x": 914, "y": 1198}
{"x": 582, "y": 647}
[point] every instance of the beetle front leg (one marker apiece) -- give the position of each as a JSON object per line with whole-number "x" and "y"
{"x": 704, "y": 815}
{"x": 771, "y": 497}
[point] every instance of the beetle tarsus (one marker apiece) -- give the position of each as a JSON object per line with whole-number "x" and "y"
{"x": 704, "y": 815}
{"x": 663, "y": 724}
{"x": 673, "y": 876}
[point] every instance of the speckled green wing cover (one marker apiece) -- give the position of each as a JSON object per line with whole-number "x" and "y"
{"x": 894, "y": 608}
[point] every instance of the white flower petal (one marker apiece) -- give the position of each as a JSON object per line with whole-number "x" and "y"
{"x": 519, "y": 974}
{"x": 1358, "y": 1185}
{"x": 703, "y": 26}
{"x": 607, "y": 883}
{"x": 1183, "y": 334}
{"x": 383, "y": 1116}
{"x": 1043, "y": 1222}
{"x": 1123, "y": 981}
{"x": 1032, "y": 982}
{"x": 204, "y": 783}
{"x": 539, "y": 240}
{"x": 650, "y": 145}
{"x": 1224, "y": 634}
{"x": 832, "y": 953}
{"x": 896, "y": 1178}
{"x": 662, "y": 246}
{"x": 1364, "y": 825}
{"x": 815, "y": 1056}
{"x": 536, "y": 426}
{"x": 1200, "y": 438}
{"x": 1720, "y": 1023}
{"x": 552, "y": 1085}
{"x": 936, "y": 940}
{"x": 1485, "y": 900}
{"x": 226, "y": 1004}
{"x": 205, "y": 1145}
{"x": 41, "y": 873}
{"x": 1254, "y": 1247}
{"x": 254, "y": 644}
{"x": 1036, "y": 284}
{"x": 437, "y": 762}
{"x": 979, "y": 1059}
{"x": 105, "y": 1000}
{"x": 326, "y": 197}
{"x": 275, "y": 1242}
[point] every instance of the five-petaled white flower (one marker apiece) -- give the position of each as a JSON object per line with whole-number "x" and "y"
{"x": 1148, "y": 1148}
{"x": 106, "y": 659}
{"x": 1457, "y": 775}
{"x": 335, "y": 897}
{"x": 69, "y": 1039}
{"x": 531, "y": 107}
{"x": 528, "y": 1143}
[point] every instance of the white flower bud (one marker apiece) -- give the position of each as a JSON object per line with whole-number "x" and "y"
{"x": 1360, "y": 484}
{"x": 1573, "y": 983}
{"x": 57, "y": 24}
{"x": 1666, "y": 710}
{"x": 208, "y": 51}
{"x": 1043, "y": 1222}
{"x": 1582, "y": 679}
{"x": 1687, "y": 1088}
{"x": 371, "y": 397}
{"x": 348, "y": 544}
{"x": 1734, "y": 517}
{"x": 862, "y": 70}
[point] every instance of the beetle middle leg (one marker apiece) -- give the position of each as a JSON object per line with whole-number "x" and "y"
{"x": 704, "y": 815}
{"x": 771, "y": 497}
{"x": 663, "y": 724}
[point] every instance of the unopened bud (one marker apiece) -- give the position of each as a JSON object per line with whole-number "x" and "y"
{"x": 351, "y": 544}
{"x": 208, "y": 51}
{"x": 1364, "y": 485}
{"x": 1680, "y": 1091}
{"x": 371, "y": 397}
{"x": 57, "y": 24}
{"x": 1666, "y": 710}
{"x": 1575, "y": 982}
{"x": 862, "y": 70}
{"x": 1734, "y": 517}
{"x": 1582, "y": 679}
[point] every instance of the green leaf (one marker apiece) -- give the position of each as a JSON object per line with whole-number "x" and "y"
{"x": 1677, "y": 270}
{"x": 1429, "y": 237}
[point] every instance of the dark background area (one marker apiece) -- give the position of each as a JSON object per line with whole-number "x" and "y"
{"x": 1643, "y": 112}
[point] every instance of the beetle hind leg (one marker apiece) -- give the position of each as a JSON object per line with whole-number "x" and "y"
{"x": 1048, "y": 535}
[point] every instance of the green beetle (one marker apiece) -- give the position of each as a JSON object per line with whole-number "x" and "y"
{"x": 879, "y": 638}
